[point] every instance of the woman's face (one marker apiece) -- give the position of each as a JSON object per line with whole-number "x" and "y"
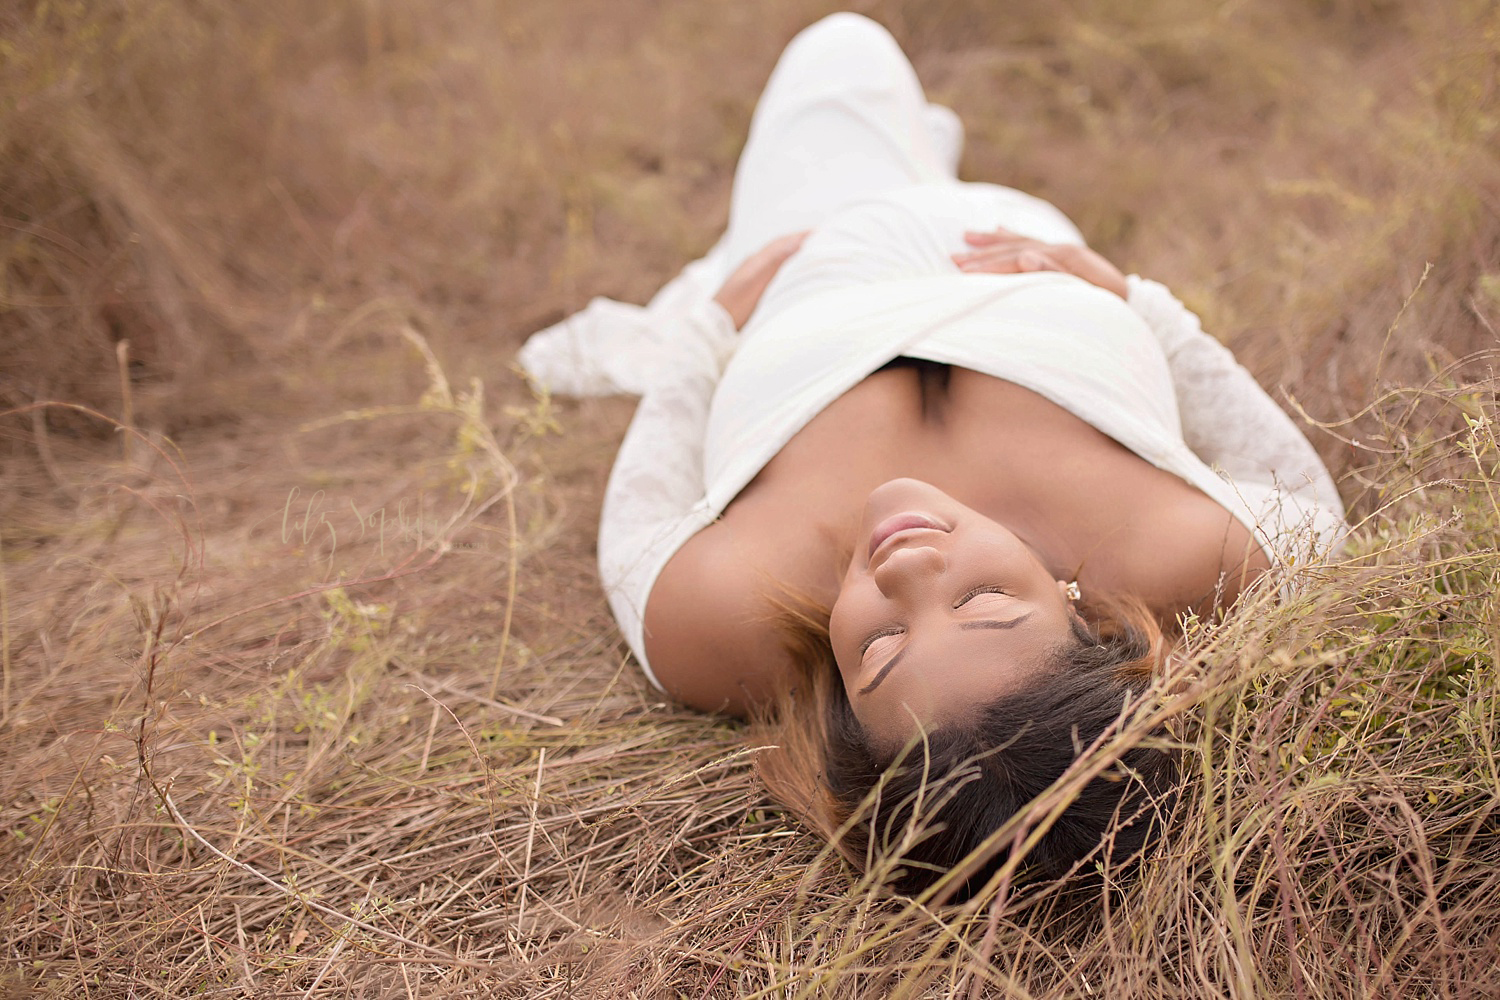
{"x": 941, "y": 611}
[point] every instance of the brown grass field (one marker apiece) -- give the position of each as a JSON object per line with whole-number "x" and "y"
{"x": 309, "y": 689}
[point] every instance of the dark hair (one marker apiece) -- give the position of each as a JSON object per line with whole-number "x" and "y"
{"x": 931, "y": 805}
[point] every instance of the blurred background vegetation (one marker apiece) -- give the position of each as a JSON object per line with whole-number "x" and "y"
{"x": 226, "y": 185}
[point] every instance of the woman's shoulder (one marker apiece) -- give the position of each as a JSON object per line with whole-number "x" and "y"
{"x": 710, "y": 632}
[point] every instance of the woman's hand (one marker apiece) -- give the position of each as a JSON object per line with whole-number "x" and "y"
{"x": 742, "y": 291}
{"x": 1005, "y": 252}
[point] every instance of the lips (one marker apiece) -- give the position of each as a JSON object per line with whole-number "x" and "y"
{"x": 899, "y": 523}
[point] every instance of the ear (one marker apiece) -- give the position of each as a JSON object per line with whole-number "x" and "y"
{"x": 1071, "y": 598}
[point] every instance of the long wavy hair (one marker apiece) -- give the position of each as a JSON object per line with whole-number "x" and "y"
{"x": 931, "y": 806}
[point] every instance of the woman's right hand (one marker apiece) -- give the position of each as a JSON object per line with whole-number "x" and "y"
{"x": 1005, "y": 252}
{"x": 742, "y": 291}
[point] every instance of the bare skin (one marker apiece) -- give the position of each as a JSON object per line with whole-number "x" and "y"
{"x": 938, "y": 588}
{"x": 1032, "y": 497}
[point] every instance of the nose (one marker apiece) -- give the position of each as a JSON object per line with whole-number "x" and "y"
{"x": 908, "y": 568}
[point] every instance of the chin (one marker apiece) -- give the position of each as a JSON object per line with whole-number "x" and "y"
{"x": 906, "y": 495}
{"x": 889, "y": 495}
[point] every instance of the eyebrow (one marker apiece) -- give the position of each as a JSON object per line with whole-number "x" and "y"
{"x": 986, "y": 623}
{"x": 989, "y": 623}
{"x": 883, "y": 671}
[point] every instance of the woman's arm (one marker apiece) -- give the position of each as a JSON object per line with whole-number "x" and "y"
{"x": 1230, "y": 422}
{"x": 656, "y": 498}
{"x": 1227, "y": 419}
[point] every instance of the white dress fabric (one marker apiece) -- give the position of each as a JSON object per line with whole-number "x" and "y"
{"x": 843, "y": 143}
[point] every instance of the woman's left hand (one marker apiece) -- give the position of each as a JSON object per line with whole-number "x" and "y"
{"x": 742, "y": 291}
{"x": 1005, "y": 252}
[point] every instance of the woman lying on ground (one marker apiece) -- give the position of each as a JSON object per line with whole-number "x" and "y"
{"x": 916, "y": 469}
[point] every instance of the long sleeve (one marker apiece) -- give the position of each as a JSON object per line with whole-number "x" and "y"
{"x": 655, "y": 500}
{"x": 614, "y": 347}
{"x": 1236, "y": 428}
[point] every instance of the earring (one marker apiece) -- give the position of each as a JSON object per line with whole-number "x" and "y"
{"x": 1074, "y": 594}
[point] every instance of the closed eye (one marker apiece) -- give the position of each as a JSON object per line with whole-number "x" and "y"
{"x": 965, "y": 599}
{"x": 864, "y": 646}
{"x": 988, "y": 589}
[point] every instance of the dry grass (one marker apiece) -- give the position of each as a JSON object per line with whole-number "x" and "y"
{"x": 308, "y": 688}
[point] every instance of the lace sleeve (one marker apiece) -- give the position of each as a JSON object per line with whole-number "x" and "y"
{"x": 655, "y": 500}
{"x": 1237, "y": 429}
